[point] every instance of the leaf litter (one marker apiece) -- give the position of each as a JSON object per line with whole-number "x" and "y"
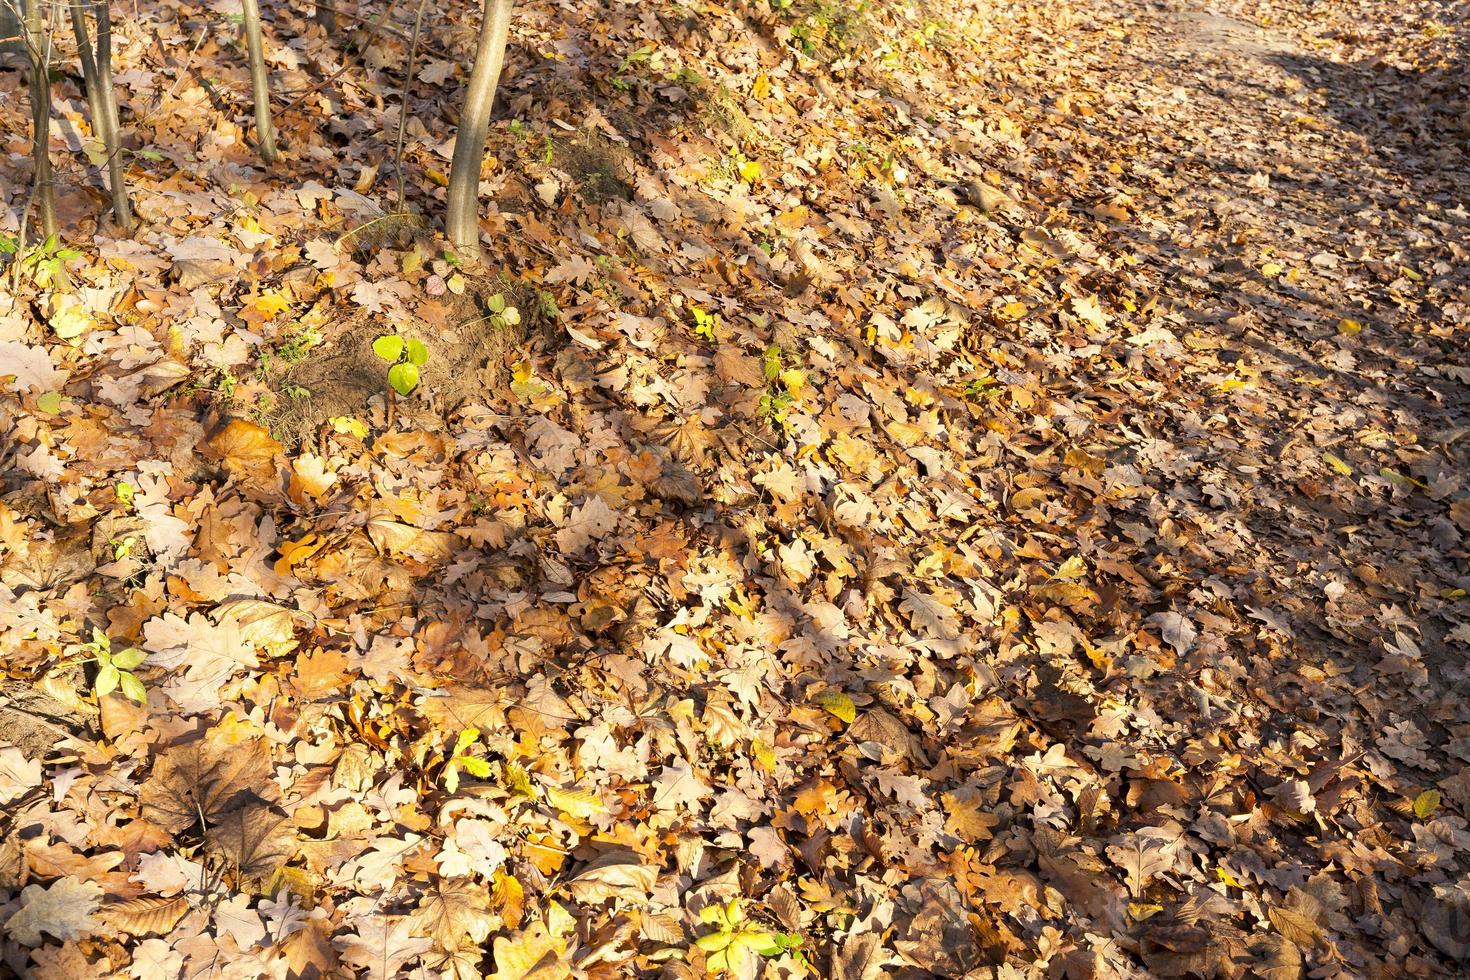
{"x": 985, "y": 496}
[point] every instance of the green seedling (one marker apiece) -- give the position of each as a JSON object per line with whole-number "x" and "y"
{"x": 501, "y": 314}
{"x": 704, "y": 323}
{"x": 114, "y": 667}
{"x": 404, "y": 356}
{"x": 462, "y": 758}
{"x": 728, "y": 949}
{"x": 44, "y": 263}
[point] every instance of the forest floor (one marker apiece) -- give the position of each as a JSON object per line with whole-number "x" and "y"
{"x": 966, "y": 489}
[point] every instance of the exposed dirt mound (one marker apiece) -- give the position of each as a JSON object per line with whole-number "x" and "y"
{"x": 467, "y": 363}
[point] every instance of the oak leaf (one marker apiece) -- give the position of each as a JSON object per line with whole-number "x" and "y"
{"x": 63, "y": 910}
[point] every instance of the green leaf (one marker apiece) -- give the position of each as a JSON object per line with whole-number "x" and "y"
{"x": 496, "y": 303}
{"x": 107, "y": 679}
{"x": 761, "y": 942}
{"x": 417, "y": 352}
{"x": 128, "y": 659}
{"x": 49, "y": 403}
{"x": 389, "y": 347}
{"x": 403, "y": 377}
{"x": 133, "y": 687}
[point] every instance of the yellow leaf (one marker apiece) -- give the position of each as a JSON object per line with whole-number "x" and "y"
{"x": 762, "y": 86}
{"x": 1271, "y": 269}
{"x": 1074, "y": 567}
{"x": 765, "y": 755}
{"x": 1349, "y": 327}
{"x": 533, "y": 955}
{"x": 577, "y": 803}
{"x": 794, "y": 380}
{"x": 509, "y": 898}
{"x": 70, "y": 321}
{"x": 1138, "y": 911}
{"x": 1337, "y": 463}
{"x": 347, "y": 425}
{"x": 270, "y": 304}
{"x": 1228, "y": 878}
{"x": 750, "y": 171}
{"x": 838, "y": 704}
{"x": 1012, "y": 311}
{"x": 293, "y": 552}
{"x": 1426, "y": 803}
{"x": 437, "y": 178}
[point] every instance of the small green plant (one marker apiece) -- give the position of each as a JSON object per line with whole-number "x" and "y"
{"x": 783, "y": 386}
{"x": 647, "y": 54}
{"x": 296, "y": 345}
{"x": 404, "y": 356}
{"x": 704, "y": 323}
{"x": 985, "y": 387}
{"x": 45, "y": 263}
{"x": 462, "y": 758}
{"x": 736, "y": 939}
{"x": 114, "y": 668}
{"x": 501, "y": 314}
{"x": 226, "y": 383}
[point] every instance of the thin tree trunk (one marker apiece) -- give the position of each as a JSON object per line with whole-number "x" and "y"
{"x": 38, "y": 41}
{"x": 102, "y": 100}
{"x": 265, "y": 133}
{"x": 122, "y": 211}
{"x": 462, "y": 214}
{"x": 85, "y": 54}
{"x": 413, "y": 53}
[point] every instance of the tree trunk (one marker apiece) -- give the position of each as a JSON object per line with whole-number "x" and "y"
{"x": 122, "y": 211}
{"x": 462, "y": 215}
{"x": 38, "y": 41}
{"x": 265, "y": 133}
{"x": 102, "y": 99}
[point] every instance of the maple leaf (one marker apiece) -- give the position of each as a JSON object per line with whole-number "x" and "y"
{"x": 310, "y": 954}
{"x": 63, "y": 909}
{"x": 245, "y": 450}
{"x": 382, "y": 945}
{"x": 253, "y": 837}
{"x": 195, "y": 782}
{"x": 452, "y": 911}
